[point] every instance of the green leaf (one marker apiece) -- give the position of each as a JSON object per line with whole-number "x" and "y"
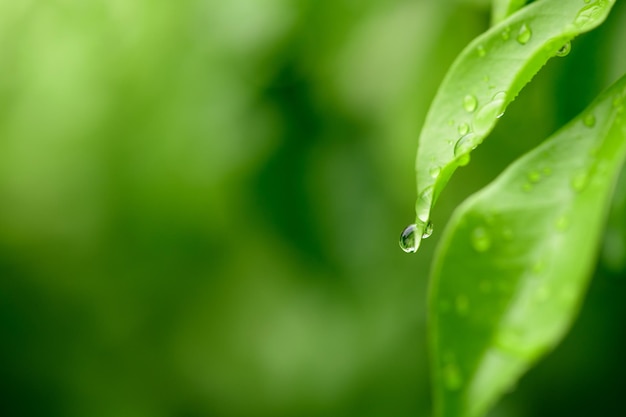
{"x": 516, "y": 257}
{"x": 484, "y": 79}
{"x": 501, "y": 9}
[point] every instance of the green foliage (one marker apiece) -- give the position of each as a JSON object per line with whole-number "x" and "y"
{"x": 501, "y": 9}
{"x": 484, "y": 79}
{"x": 515, "y": 259}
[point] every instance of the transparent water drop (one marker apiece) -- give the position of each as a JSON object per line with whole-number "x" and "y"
{"x": 481, "y": 50}
{"x": 589, "y": 120}
{"x": 481, "y": 241}
{"x": 579, "y": 181}
{"x": 524, "y": 34}
{"x": 461, "y": 303}
{"x": 434, "y": 172}
{"x": 469, "y": 103}
{"x": 428, "y": 230}
{"x": 409, "y": 242}
{"x": 465, "y": 145}
{"x": 534, "y": 176}
{"x": 486, "y": 115}
{"x": 590, "y": 13}
{"x": 463, "y": 129}
{"x": 506, "y": 33}
{"x": 564, "y": 50}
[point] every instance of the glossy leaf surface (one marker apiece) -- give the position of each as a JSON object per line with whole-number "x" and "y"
{"x": 515, "y": 259}
{"x": 484, "y": 79}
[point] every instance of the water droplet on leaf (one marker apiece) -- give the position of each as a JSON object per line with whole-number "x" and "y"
{"x": 524, "y": 34}
{"x": 434, "y": 172}
{"x": 486, "y": 115}
{"x": 506, "y": 33}
{"x": 534, "y": 176}
{"x": 470, "y": 103}
{"x": 465, "y": 145}
{"x": 463, "y": 129}
{"x": 590, "y": 13}
{"x": 564, "y": 50}
{"x": 428, "y": 231}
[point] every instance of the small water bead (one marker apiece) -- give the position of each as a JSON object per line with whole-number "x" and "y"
{"x": 428, "y": 230}
{"x": 481, "y": 50}
{"x": 534, "y": 176}
{"x": 524, "y": 34}
{"x": 506, "y": 33}
{"x": 434, "y": 172}
{"x": 486, "y": 115}
{"x": 469, "y": 103}
{"x": 463, "y": 129}
{"x": 589, "y": 120}
{"x": 465, "y": 145}
{"x": 564, "y": 50}
{"x": 481, "y": 241}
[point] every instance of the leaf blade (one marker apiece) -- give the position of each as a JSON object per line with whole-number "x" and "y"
{"x": 484, "y": 79}
{"x": 503, "y": 281}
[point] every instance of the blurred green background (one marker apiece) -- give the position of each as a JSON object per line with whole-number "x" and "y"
{"x": 200, "y": 203}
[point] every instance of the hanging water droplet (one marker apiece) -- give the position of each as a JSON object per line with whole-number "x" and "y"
{"x": 589, "y": 120}
{"x": 486, "y": 115}
{"x": 506, "y": 33}
{"x": 590, "y": 13}
{"x": 465, "y": 145}
{"x": 463, "y": 129}
{"x": 579, "y": 181}
{"x": 469, "y": 103}
{"x": 481, "y": 241}
{"x": 481, "y": 50}
{"x": 434, "y": 172}
{"x": 428, "y": 230}
{"x": 534, "y": 176}
{"x": 409, "y": 241}
{"x": 564, "y": 50}
{"x": 524, "y": 34}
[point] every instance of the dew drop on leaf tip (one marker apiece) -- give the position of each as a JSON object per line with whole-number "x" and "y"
{"x": 410, "y": 238}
